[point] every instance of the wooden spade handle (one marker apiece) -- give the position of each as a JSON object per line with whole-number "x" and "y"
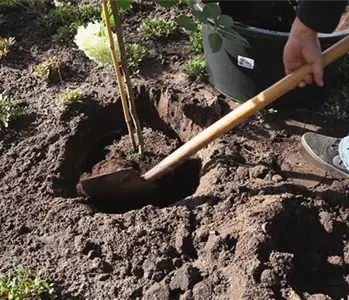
{"x": 241, "y": 113}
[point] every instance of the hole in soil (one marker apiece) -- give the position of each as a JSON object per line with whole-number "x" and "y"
{"x": 315, "y": 266}
{"x": 104, "y": 127}
{"x": 172, "y": 187}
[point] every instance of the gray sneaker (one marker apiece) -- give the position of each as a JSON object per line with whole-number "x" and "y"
{"x": 324, "y": 152}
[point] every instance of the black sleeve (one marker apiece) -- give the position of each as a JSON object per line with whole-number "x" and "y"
{"x": 321, "y": 16}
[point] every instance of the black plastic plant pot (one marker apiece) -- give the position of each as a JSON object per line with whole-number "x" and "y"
{"x": 241, "y": 71}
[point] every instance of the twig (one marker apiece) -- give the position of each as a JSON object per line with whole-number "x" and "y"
{"x": 124, "y": 63}
{"x": 119, "y": 77}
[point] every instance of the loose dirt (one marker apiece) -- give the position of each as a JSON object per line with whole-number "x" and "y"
{"x": 248, "y": 218}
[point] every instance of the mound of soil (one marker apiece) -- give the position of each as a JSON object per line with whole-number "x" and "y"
{"x": 245, "y": 219}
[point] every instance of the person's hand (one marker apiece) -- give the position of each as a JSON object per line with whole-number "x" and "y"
{"x": 303, "y": 47}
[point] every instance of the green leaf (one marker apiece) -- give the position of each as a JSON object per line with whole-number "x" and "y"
{"x": 200, "y": 15}
{"x": 225, "y": 21}
{"x": 167, "y": 3}
{"x": 187, "y": 23}
{"x": 124, "y": 4}
{"x": 212, "y": 11}
{"x": 190, "y": 3}
{"x": 233, "y": 35}
{"x": 215, "y": 41}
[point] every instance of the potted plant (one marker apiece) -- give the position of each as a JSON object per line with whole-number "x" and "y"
{"x": 241, "y": 70}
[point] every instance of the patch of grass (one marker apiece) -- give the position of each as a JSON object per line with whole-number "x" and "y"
{"x": 24, "y": 283}
{"x": 195, "y": 69}
{"x": 196, "y": 41}
{"x": 135, "y": 55}
{"x": 9, "y": 3}
{"x": 157, "y": 27}
{"x": 5, "y": 45}
{"x": 48, "y": 69}
{"x": 9, "y": 110}
{"x": 70, "y": 96}
{"x": 64, "y": 20}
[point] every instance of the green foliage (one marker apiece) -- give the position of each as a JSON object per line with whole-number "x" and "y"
{"x": 5, "y": 45}
{"x": 266, "y": 114}
{"x": 9, "y": 3}
{"x": 22, "y": 284}
{"x": 211, "y": 15}
{"x": 195, "y": 69}
{"x": 196, "y": 41}
{"x": 64, "y": 20}
{"x": 135, "y": 54}
{"x": 9, "y": 111}
{"x": 48, "y": 68}
{"x": 122, "y": 5}
{"x": 157, "y": 27}
{"x": 93, "y": 41}
{"x": 65, "y": 33}
{"x": 71, "y": 96}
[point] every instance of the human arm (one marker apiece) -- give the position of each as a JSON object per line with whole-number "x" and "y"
{"x": 303, "y": 44}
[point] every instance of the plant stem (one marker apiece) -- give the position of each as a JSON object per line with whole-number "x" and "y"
{"x": 124, "y": 63}
{"x": 119, "y": 77}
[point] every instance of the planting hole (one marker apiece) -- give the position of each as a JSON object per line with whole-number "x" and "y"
{"x": 103, "y": 137}
{"x": 114, "y": 154}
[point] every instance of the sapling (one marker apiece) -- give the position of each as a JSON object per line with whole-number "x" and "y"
{"x": 9, "y": 110}
{"x": 24, "y": 283}
{"x": 157, "y": 27}
{"x": 195, "y": 68}
{"x": 70, "y": 96}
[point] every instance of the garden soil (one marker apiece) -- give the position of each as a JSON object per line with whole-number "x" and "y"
{"x": 246, "y": 218}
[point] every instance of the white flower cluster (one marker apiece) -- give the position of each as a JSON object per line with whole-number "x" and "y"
{"x": 93, "y": 41}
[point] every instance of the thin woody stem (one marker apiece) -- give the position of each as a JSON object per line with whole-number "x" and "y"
{"x": 119, "y": 77}
{"x": 124, "y": 63}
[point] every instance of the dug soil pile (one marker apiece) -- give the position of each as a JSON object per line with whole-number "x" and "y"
{"x": 248, "y": 218}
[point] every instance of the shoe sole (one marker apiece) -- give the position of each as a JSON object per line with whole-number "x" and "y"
{"x": 312, "y": 157}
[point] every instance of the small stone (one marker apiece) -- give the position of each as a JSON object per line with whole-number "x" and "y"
{"x": 326, "y": 221}
{"x": 202, "y": 290}
{"x": 103, "y": 277}
{"x": 276, "y": 178}
{"x": 242, "y": 172}
{"x": 184, "y": 244}
{"x": 269, "y": 278}
{"x": 335, "y": 260}
{"x": 185, "y": 278}
{"x": 149, "y": 268}
{"x": 259, "y": 171}
{"x": 158, "y": 291}
{"x": 213, "y": 244}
